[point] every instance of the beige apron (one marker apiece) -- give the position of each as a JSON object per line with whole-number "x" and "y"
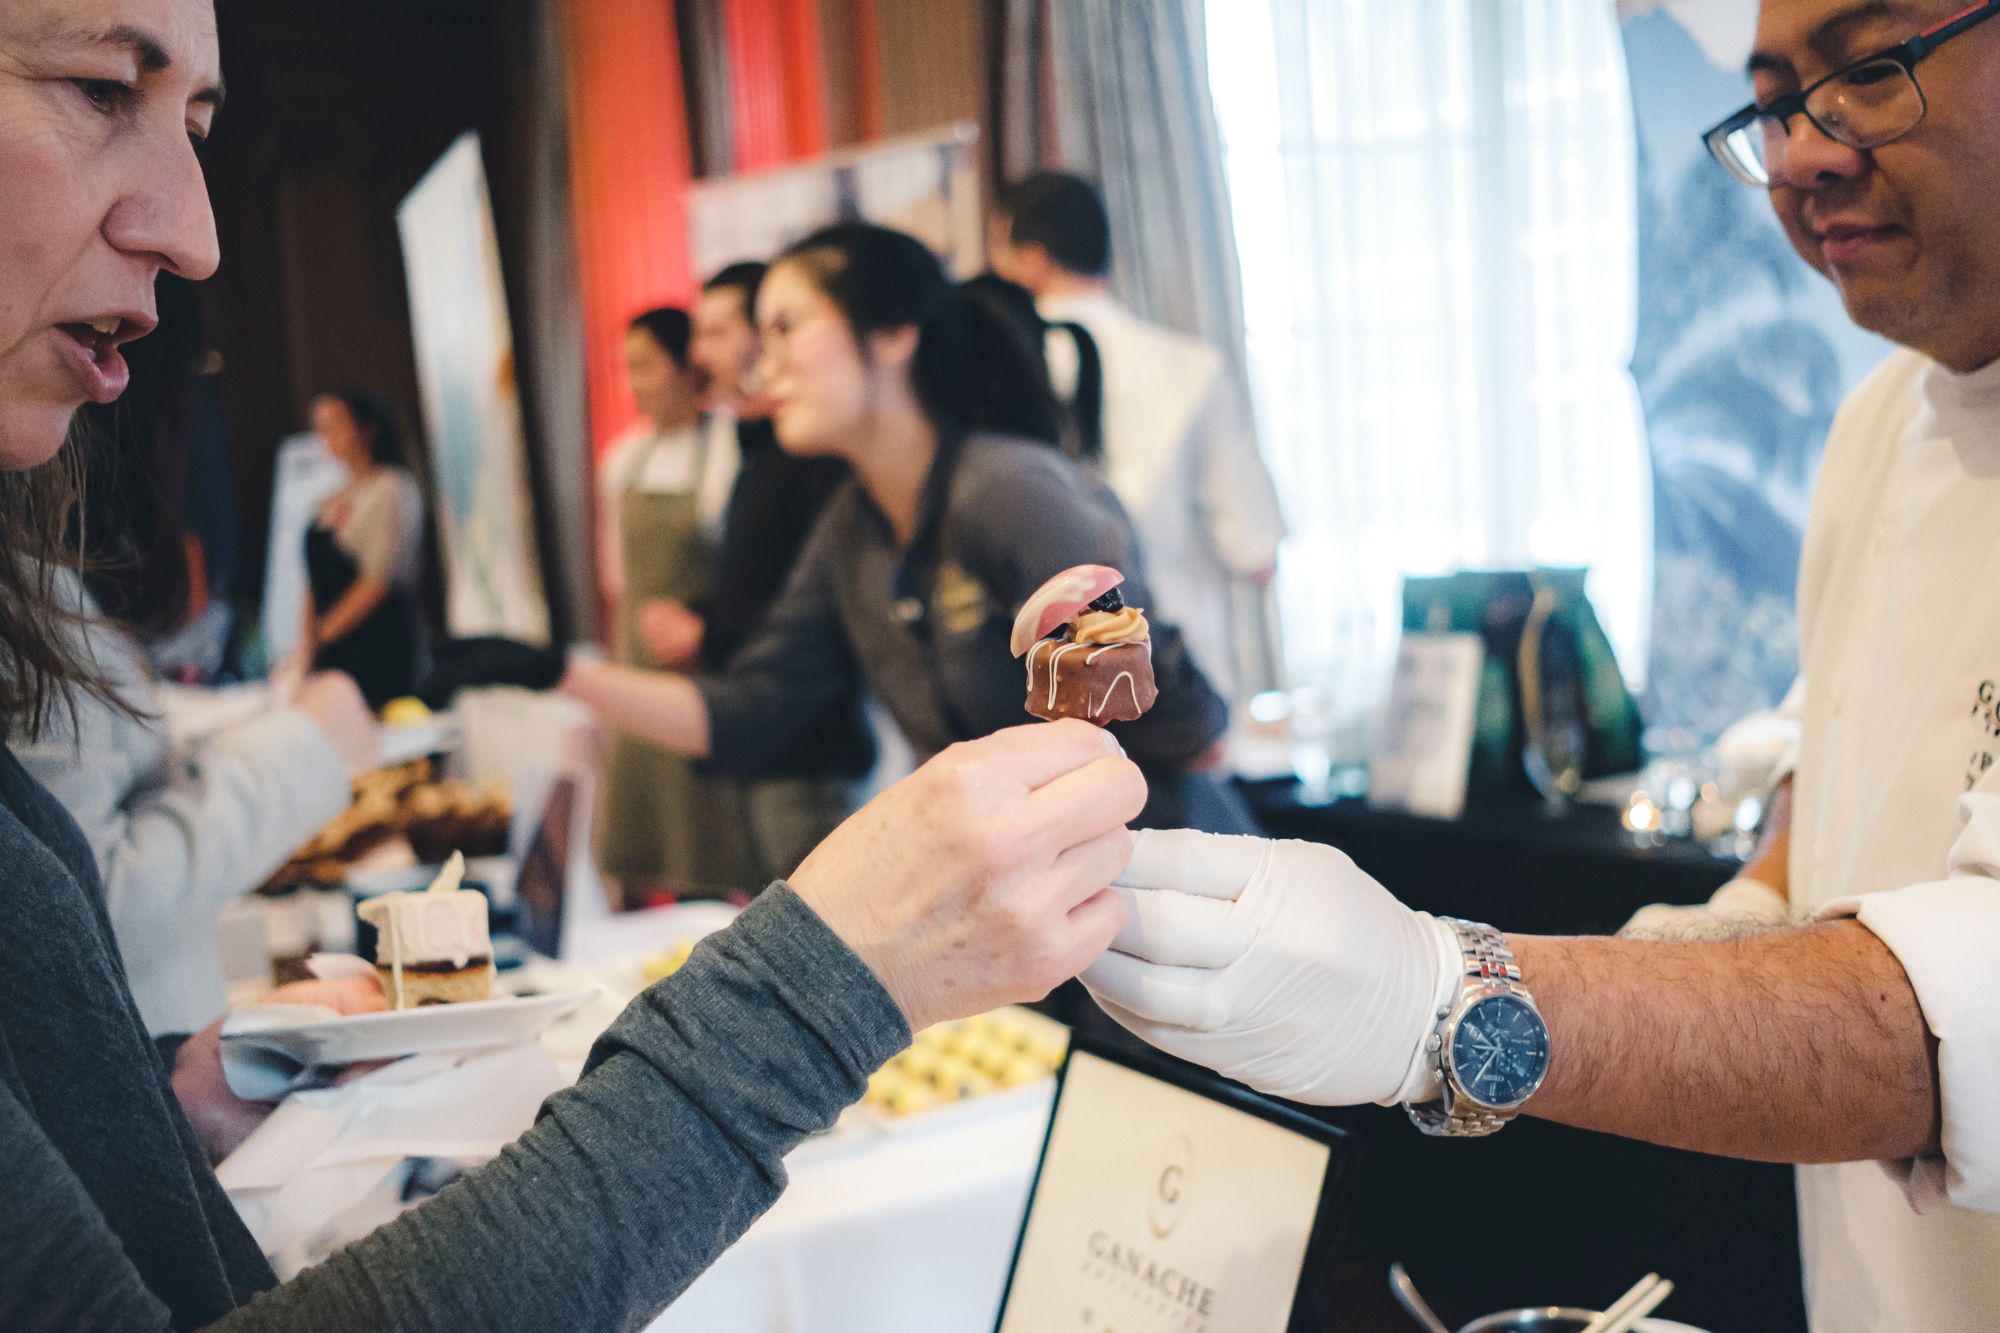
{"x": 665, "y": 825}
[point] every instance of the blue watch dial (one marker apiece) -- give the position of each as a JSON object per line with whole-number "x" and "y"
{"x": 1500, "y": 1051}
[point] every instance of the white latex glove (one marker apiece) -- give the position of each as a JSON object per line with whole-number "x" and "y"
{"x": 1743, "y": 906}
{"x": 1279, "y": 964}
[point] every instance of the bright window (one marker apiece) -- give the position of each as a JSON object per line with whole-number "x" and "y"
{"x": 1435, "y": 209}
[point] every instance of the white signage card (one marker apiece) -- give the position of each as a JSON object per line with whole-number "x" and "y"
{"x": 1424, "y": 751}
{"x": 1159, "y": 1210}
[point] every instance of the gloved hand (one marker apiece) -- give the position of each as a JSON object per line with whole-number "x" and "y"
{"x": 465, "y": 664}
{"x": 1279, "y": 964}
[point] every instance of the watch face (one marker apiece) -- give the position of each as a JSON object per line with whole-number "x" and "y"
{"x": 1500, "y": 1051}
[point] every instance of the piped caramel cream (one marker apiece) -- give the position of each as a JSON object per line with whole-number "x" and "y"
{"x": 1126, "y": 625}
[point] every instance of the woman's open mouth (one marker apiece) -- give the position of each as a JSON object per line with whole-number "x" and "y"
{"x": 91, "y": 349}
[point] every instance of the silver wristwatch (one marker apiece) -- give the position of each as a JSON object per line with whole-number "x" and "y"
{"x": 1491, "y": 1046}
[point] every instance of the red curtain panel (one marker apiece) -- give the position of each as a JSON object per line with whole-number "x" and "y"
{"x": 629, "y": 172}
{"x": 777, "y": 89}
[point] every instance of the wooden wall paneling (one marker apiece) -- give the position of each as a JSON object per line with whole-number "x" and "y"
{"x": 840, "y": 72}
{"x": 934, "y": 63}
{"x": 867, "y": 46}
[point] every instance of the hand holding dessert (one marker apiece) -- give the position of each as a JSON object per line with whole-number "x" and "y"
{"x": 980, "y": 879}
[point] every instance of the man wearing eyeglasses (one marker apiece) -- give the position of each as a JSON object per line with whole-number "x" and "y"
{"x": 1865, "y": 1045}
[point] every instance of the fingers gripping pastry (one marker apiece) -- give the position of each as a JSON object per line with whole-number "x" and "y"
{"x": 1089, "y": 655}
{"x": 432, "y": 947}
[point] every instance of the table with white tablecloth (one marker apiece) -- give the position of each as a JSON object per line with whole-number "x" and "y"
{"x": 893, "y": 1225}
{"x": 904, "y": 1230}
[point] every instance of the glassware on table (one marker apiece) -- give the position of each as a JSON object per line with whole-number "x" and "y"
{"x": 1680, "y": 767}
{"x": 1328, "y": 745}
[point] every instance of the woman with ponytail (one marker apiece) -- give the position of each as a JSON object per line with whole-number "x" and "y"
{"x": 963, "y": 503}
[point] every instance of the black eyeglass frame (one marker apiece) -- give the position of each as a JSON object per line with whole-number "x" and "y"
{"x": 1907, "y": 54}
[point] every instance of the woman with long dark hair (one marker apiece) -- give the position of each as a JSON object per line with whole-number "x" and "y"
{"x": 364, "y": 551}
{"x": 963, "y": 504}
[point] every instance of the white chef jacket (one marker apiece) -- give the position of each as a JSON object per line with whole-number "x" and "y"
{"x": 1896, "y": 821}
{"x": 1180, "y": 454}
{"x": 651, "y": 462}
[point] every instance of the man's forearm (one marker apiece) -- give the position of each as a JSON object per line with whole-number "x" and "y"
{"x": 1802, "y": 1045}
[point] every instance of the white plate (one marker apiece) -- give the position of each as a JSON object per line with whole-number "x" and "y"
{"x": 272, "y": 1049}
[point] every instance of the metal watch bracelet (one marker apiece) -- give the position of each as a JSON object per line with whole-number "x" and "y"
{"x": 1489, "y": 967}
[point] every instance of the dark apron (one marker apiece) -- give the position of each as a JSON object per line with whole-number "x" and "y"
{"x": 665, "y": 824}
{"x": 381, "y": 652}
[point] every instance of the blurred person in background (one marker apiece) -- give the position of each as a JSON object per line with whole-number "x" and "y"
{"x": 177, "y": 831}
{"x": 978, "y": 881}
{"x": 663, "y": 499}
{"x": 1178, "y": 444}
{"x": 364, "y": 552}
{"x": 962, "y": 505}
{"x": 806, "y": 787}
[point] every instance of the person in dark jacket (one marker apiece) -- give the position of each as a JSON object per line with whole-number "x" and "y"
{"x": 806, "y": 788}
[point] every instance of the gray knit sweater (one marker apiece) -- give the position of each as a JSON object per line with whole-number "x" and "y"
{"x": 628, "y": 1186}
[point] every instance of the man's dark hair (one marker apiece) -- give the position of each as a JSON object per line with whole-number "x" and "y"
{"x": 745, "y": 277}
{"x": 1063, "y": 214}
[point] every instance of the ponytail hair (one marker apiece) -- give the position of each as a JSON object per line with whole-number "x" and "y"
{"x": 1083, "y": 414}
{"x": 973, "y": 371}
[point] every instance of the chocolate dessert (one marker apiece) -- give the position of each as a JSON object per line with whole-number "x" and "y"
{"x": 1089, "y": 655}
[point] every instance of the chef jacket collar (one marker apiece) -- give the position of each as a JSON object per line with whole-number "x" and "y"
{"x": 1078, "y": 307}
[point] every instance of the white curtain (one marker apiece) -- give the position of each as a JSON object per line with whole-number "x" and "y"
{"x": 1434, "y": 206}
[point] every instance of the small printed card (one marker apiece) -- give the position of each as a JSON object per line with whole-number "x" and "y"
{"x": 1424, "y": 753}
{"x": 1159, "y": 1209}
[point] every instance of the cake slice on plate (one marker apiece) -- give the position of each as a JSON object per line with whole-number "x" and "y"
{"x": 432, "y": 947}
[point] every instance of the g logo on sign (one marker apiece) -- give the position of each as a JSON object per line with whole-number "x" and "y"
{"x": 1163, "y": 1214}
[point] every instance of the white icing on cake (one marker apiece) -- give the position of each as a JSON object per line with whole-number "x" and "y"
{"x": 444, "y": 923}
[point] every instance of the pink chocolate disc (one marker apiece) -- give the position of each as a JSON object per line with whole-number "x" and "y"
{"x": 1058, "y": 600}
